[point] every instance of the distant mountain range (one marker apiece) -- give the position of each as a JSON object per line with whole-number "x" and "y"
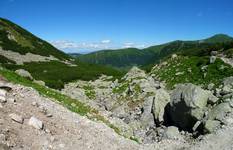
{"x": 125, "y": 58}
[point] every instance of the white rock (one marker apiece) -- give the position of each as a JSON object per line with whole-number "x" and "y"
{"x": 2, "y": 92}
{"x": 1, "y": 105}
{"x": 2, "y": 99}
{"x": 35, "y": 123}
{"x": 16, "y": 118}
{"x": 12, "y": 100}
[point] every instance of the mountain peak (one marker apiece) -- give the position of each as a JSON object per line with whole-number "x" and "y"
{"x": 219, "y": 38}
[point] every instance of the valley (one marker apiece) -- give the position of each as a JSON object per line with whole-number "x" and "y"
{"x": 177, "y": 95}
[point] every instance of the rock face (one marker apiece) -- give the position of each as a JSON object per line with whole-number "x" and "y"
{"x": 188, "y": 104}
{"x": 24, "y": 73}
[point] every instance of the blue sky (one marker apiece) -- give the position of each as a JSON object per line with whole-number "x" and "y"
{"x": 87, "y": 25}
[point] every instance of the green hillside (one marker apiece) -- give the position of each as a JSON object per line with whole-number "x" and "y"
{"x": 132, "y": 56}
{"x": 54, "y": 73}
{"x": 17, "y": 39}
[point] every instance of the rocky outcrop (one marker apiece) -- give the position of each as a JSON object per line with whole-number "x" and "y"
{"x": 188, "y": 105}
{"x": 24, "y": 73}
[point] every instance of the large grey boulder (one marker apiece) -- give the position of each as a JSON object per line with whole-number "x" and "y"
{"x": 161, "y": 99}
{"x": 24, "y": 73}
{"x": 187, "y": 105}
{"x": 219, "y": 112}
{"x": 211, "y": 126}
{"x": 147, "y": 118}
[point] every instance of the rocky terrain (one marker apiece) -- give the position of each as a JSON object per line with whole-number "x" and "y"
{"x": 142, "y": 108}
{"x": 147, "y": 114}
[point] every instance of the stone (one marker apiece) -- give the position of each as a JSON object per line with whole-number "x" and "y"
{"x": 42, "y": 83}
{"x": 197, "y": 124}
{"x": 161, "y": 99}
{"x": 212, "y": 99}
{"x": 16, "y": 118}
{"x": 147, "y": 118}
{"x": 36, "y": 123}
{"x": 219, "y": 112}
{"x": 24, "y": 73}
{"x": 212, "y": 59}
{"x": 210, "y": 86}
{"x": 1, "y": 106}
{"x": 171, "y": 132}
{"x": 3, "y": 94}
{"x": 187, "y": 105}
{"x": 3, "y": 99}
{"x": 211, "y": 126}
{"x": 35, "y": 104}
{"x": 11, "y": 100}
{"x": 214, "y": 53}
{"x": 2, "y": 137}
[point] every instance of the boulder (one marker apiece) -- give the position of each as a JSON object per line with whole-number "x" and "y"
{"x": 219, "y": 112}
{"x": 36, "y": 123}
{"x": 161, "y": 99}
{"x": 171, "y": 132}
{"x": 211, "y": 126}
{"x": 187, "y": 105}
{"x": 16, "y": 118}
{"x": 24, "y": 73}
{"x": 42, "y": 83}
{"x": 212, "y": 99}
{"x": 212, "y": 59}
{"x": 147, "y": 118}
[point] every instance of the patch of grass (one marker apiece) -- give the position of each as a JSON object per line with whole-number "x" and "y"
{"x": 192, "y": 72}
{"x": 120, "y": 89}
{"x": 134, "y": 139}
{"x": 4, "y": 60}
{"x": 89, "y": 91}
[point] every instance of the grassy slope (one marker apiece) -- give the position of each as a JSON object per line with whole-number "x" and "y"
{"x": 191, "y": 72}
{"x": 55, "y": 74}
{"x": 72, "y": 104}
{"x": 25, "y": 41}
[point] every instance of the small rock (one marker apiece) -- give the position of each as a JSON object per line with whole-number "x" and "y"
{"x": 35, "y": 123}
{"x": 1, "y": 105}
{"x": 16, "y": 118}
{"x": 197, "y": 124}
{"x": 212, "y": 59}
{"x": 47, "y": 131}
{"x": 2, "y": 137}
{"x": 210, "y": 86}
{"x": 11, "y": 100}
{"x": 49, "y": 115}
{"x": 171, "y": 132}
{"x": 35, "y": 104}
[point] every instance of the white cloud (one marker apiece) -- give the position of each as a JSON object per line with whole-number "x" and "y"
{"x": 106, "y": 41}
{"x": 65, "y": 44}
{"x": 128, "y": 45}
{"x": 85, "y": 47}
